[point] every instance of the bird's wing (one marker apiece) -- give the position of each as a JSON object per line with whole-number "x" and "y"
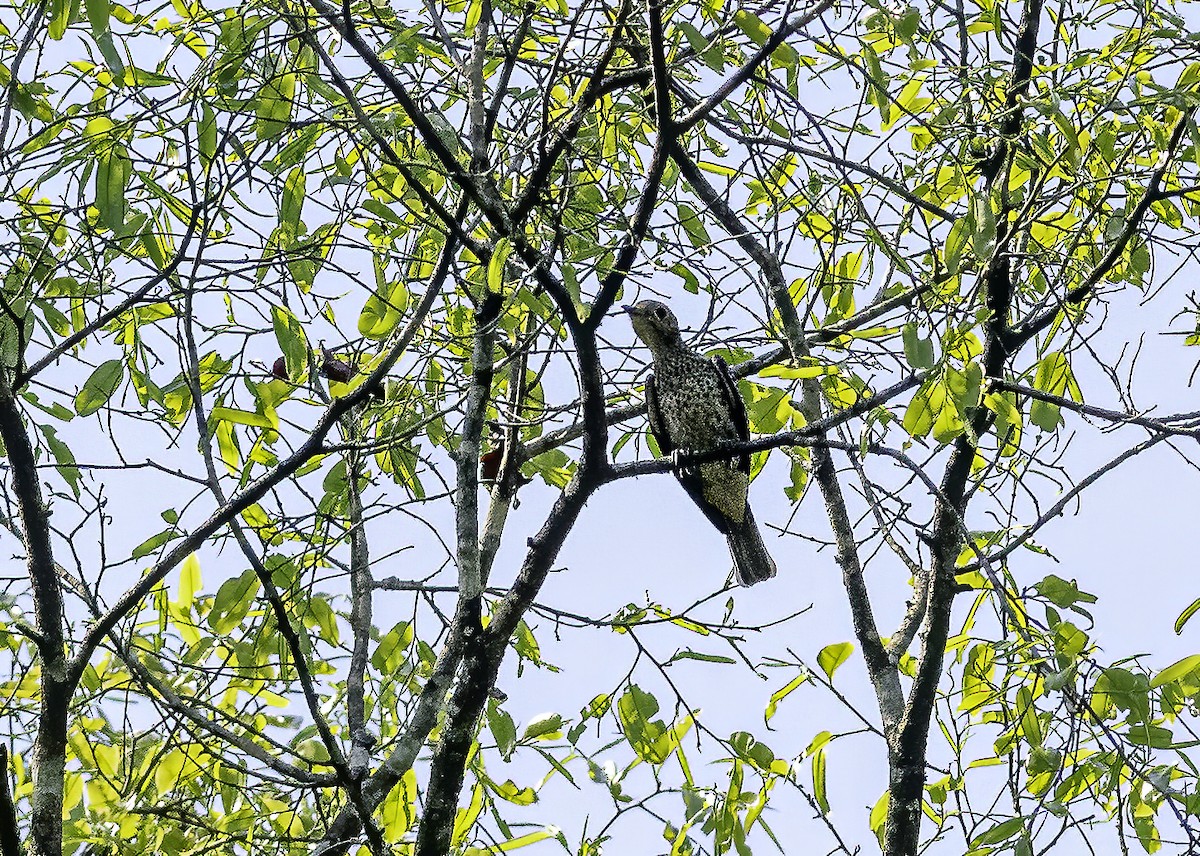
{"x": 657, "y": 427}
{"x": 735, "y": 406}
{"x": 689, "y": 477}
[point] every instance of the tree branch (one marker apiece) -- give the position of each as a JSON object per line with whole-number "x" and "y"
{"x": 10, "y": 840}
{"x": 23, "y": 377}
{"x": 243, "y": 499}
{"x": 1030, "y": 328}
{"x": 885, "y": 679}
{"x": 790, "y": 25}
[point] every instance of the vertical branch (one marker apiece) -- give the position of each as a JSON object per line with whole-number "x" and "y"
{"x": 475, "y": 111}
{"x": 885, "y": 679}
{"x": 337, "y": 758}
{"x": 478, "y": 670}
{"x": 667, "y": 134}
{"x": 448, "y": 767}
{"x": 10, "y": 842}
{"x": 508, "y": 473}
{"x": 346, "y": 825}
{"x": 482, "y": 655}
{"x": 906, "y": 755}
{"x": 57, "y": 680}
{"x": 470, "y": 583}
{"x": 361, "y": 593}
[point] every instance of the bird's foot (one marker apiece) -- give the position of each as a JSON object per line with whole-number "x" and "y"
{"x": 678, "y": 456}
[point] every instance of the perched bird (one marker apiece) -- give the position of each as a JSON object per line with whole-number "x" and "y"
{"x": 694, "y": 406}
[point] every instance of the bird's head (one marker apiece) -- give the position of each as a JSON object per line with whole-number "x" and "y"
{"x": 654, "y": 323}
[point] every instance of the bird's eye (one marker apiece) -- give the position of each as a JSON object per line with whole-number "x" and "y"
{"x": 659, "y": 312}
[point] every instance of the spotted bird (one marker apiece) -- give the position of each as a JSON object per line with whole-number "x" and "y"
{"x": 694, "y": 406}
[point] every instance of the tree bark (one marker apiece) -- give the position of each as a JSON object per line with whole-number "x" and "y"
{"x": 57, "y": 682}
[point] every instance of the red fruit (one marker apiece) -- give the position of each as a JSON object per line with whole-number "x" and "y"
{"x": 489, "y": 464}
{"x": 279, "y": 369}
{"x": 335, "y": 369}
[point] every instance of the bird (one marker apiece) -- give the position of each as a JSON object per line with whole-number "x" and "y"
{"x": 694, "y": 406}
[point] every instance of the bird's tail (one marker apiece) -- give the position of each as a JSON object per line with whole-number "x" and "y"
{"x": 751, "y": 561}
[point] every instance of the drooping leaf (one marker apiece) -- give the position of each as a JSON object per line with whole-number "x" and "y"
{"x": 99, "y": 387}
{"x": 832, "y": 656}
{"x": 233, "y": 601}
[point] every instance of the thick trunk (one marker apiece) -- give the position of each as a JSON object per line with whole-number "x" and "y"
{"x": 449, "y": 765}
{"x": 49, "y": 766}
{"x": 906, "y": 785}
{"x": 50, "y": 747}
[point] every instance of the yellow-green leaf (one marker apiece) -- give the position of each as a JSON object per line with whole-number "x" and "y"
{"x": 834, "y": 655}
{"x": 99, "y": 387}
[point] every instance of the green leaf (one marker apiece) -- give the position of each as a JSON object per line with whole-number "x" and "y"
{"x": 690, "y": 283}
{"x": 1062, "y": 593}
{"x": 688, "y": 654}
{"x": 977, "y": 677}
{"x": 99, "y": 387}
{"x": 189, "y": 581}
{"x": 515, "y": 794}
{"x": 466, "y": 818}
{"x": 393, "y": 647}
{"x": 289, "y": 334}
{"x": 64, "y": 458}
{"x": 1154, "y": 736}
{"x": 920, "y": 414}
{"x": 206, "y": 135}
{"x": 320, "y": 612}
{"x": 818, "y": 774}
{"x": 832, "y": 656}
{"x": 782, "y": 693}
{"x": 227, "y": 443}
{"x": 399, "y": 809}
{"x": 151, "y": 544}
{"x": 553, "y": 466}
{"x": 693, "y": 226}
{"x": 60, "y": 17}
{"x": 1177, "y": 670}
{"x": 1002, "y": 831}
{"x": 878, "y": 816}
{"x": 983, "y": 239}
{"x": 1127, "y": 690}
{"x": 1008, "y": 420}
{"x": 543, "y": 726}
{"x": 497, "y": 266}
{"x": 1031, "y": 726}
{"x": 1053, "y": 376}
{"x": 949, "y": 422}
{"x": 292, "y": 204}
{"x": 752, "y": 26}
{"x": 956, "y": 242}
{"x": 1186, "y": 615}
{"x": 113, "y": 171}
{"x": 383, "y": 310}
{"x": 167, "y": 770}
{"x": 504, "y": 730}
{"x": 800, "y": 373}
{"x": 241, "y": 417}
{"x": 647, "y": 737}
{"x": 273, "y": 106}
{"x": 918, "y": 351}
{"x": 233, "y": 601}
{"x": 520, "y": 841}
{"x": 748, "y": 749}
{"x": 98, "y": 12}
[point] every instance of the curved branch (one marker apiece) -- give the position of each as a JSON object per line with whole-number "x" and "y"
{"x": 243, "y": 499}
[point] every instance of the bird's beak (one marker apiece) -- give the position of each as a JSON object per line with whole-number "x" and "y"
{"x": 632, "y": 310}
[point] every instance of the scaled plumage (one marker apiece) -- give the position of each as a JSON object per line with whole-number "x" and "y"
{"x": 694, "y": 406}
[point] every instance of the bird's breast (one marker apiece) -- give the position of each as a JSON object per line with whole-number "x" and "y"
{"x": 693, "y": 405}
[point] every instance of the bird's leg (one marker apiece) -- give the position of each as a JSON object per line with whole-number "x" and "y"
{"x": 678, "y": 456}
